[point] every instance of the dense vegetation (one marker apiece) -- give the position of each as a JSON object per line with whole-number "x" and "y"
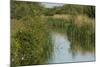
{"x": 31, "y": 24}
{"x": 71, "y": 10}
{"x": 79, "y": 29}
{"x": 30, "y": 43}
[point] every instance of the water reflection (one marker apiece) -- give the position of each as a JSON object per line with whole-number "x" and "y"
{"x": 64, "y": 51}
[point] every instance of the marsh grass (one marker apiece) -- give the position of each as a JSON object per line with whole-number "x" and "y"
{"x": 80, "y": 30}
{"x": 31, "y": 43}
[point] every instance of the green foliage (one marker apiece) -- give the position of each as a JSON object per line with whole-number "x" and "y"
{"x": 59, "y": 25}
{"x": 21, "y": 9}
{"x": 90, "y": 11}
{"x": 81, "y": 35}
{"x": 31, "y": 43}
{"x": 31, "y": 25}
{"x": 71, "y": 10}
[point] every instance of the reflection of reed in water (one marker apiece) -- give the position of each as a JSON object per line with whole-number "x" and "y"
{"x": 80, "y": 30}
{"x": 81, "y": 33}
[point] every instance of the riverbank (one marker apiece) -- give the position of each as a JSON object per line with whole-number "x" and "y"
{"x": 30, "y": 42}
{"x": 79, "y": 29}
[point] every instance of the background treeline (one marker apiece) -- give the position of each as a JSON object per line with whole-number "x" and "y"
{"x": 27, "y": 8}
{"x": 72, "y": 10}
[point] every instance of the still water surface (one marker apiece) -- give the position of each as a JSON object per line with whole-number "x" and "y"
{"x": 62, "y": 51}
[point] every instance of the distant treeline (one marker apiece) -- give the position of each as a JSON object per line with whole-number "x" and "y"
{"x": 72, "y": 10}
{"x": 20, "y": 9}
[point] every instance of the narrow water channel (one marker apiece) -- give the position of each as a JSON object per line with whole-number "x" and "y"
{"x": 62, "y": 53}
